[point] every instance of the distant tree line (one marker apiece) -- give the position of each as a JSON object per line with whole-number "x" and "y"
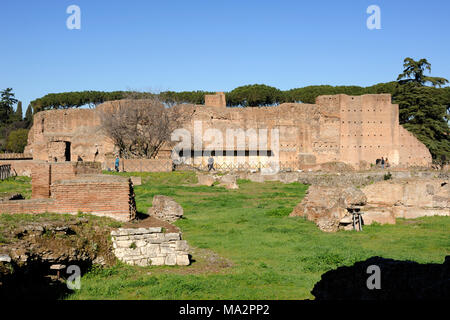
{"x": 424, "y": 105}
{"x": 255, "y": 95}
{"x": 13, "y": 126}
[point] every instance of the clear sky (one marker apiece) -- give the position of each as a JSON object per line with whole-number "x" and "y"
{"x": 214, "y": 45}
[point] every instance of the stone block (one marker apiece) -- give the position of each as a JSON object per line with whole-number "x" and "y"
{"x": 157, "y": 261}
{"x": 379, "y": 215}
{"x": 159, "y": 238}
{"x": 181, "y": 245}
{"x": 141, "y": 262}
{"x": 140, "y": 243}
{"x": 172, "y": 236}
{"x": 205, "y": 180}
{"x": 165, "y": 208}
{"x": 171, "y": 260}
{"x": 151, "y": 250}
{"x": 124, "y": 244}
{"x": 183, "y": 260}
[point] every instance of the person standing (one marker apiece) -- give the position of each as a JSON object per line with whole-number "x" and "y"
{"x": 382, "y": 162}
{"x": 210, "y": 163}
{"x": 116, "y": 164}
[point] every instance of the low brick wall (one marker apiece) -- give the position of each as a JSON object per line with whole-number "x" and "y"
{"x": 150, "y": 246}
{"x": 102, "y": 195}
{"x": 140, "y": 165}
{"x": 14, "y": 156}
{"x": 21, "y": 167}
{"x": 34, "y": 206}
{"x": 45, "y": 174}
{"x": 40, "y": 181}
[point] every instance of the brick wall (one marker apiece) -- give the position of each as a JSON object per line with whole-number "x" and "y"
{"x": 40, "y": 181}
{"x": 13, "y": 156}
{"x": 343, "y": 128}
{"x": 102, "y": 195}
{"x": 60, "y": 188}
{"x": 45, "y": 174}
{"x": 412, "y": 151}
{"x": 215, "y": 100}
{"x": 27, "y": 206}
{"x": 21, "y": 167}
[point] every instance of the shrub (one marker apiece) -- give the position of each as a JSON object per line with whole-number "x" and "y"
{"x": 17, "y": 140}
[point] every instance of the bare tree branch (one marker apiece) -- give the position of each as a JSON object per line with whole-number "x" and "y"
{"x": 139, "y": 128}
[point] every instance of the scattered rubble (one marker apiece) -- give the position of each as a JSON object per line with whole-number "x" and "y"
{"x": 228, "y": 180}
{"x": 328, "y": 207}
{"x": 381, "y": 202}
{"x": 165, "y": 208}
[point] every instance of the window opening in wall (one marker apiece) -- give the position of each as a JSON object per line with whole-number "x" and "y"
{"x": 67, "y": 151}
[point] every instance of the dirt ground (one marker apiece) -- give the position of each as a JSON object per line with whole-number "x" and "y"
{"x": 148, "y": 222}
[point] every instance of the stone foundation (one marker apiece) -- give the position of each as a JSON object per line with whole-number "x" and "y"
{"x": 150, "y": 246}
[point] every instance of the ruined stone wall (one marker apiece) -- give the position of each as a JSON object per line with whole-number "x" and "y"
{"x": 44, "y": 174}
{"x": 409, "y": 198}
{"x": 215, "y": 100}
{"x": 351, "y": 129}
{"x": 79, "y": 127}
{"x": 369, "y": 130}
{"x": 412, "y": 151}
{"x": 298, "y": 126}
{"x": 326, "y": 138}
{"x": 96, "y": 194}
{"x": 100, "y": 195}
{"x": 41, "y": 181}
{"x": 21, "y": 167}
{"x": 34, "y": 206}
{"x": 14, "y": 156}
{"x": 73, "y": 187}
{"x": 150, "y": 246}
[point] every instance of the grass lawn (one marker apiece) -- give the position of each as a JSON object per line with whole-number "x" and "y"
{"x": 272, "y": 255}
{"x": 20, "y": 185}
{"x": 246, "y": 246}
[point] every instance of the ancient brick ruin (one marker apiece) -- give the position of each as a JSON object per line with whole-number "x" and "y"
{"x": 76, "y": 187}
{"x": 216, "y": 100}
{"x": 355, "y": 130}
{"x": 381, "y": 202}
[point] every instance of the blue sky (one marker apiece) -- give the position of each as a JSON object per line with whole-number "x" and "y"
{"x": 214, "y": 45}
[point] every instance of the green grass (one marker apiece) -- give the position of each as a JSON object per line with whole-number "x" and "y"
{"x": 20, "y": 185}
{"x": 273, "y": 256}
{"x": 9, "y": 222}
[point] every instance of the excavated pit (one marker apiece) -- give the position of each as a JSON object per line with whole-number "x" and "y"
{"x": 32, "y": 251}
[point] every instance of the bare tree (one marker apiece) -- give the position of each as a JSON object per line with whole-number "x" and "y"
{"x": 139, "y": 128}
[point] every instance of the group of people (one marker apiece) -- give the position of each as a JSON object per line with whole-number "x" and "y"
{"x": 384, "y": 163}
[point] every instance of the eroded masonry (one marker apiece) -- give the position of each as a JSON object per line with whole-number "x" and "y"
{"x": 355, "y": 130}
